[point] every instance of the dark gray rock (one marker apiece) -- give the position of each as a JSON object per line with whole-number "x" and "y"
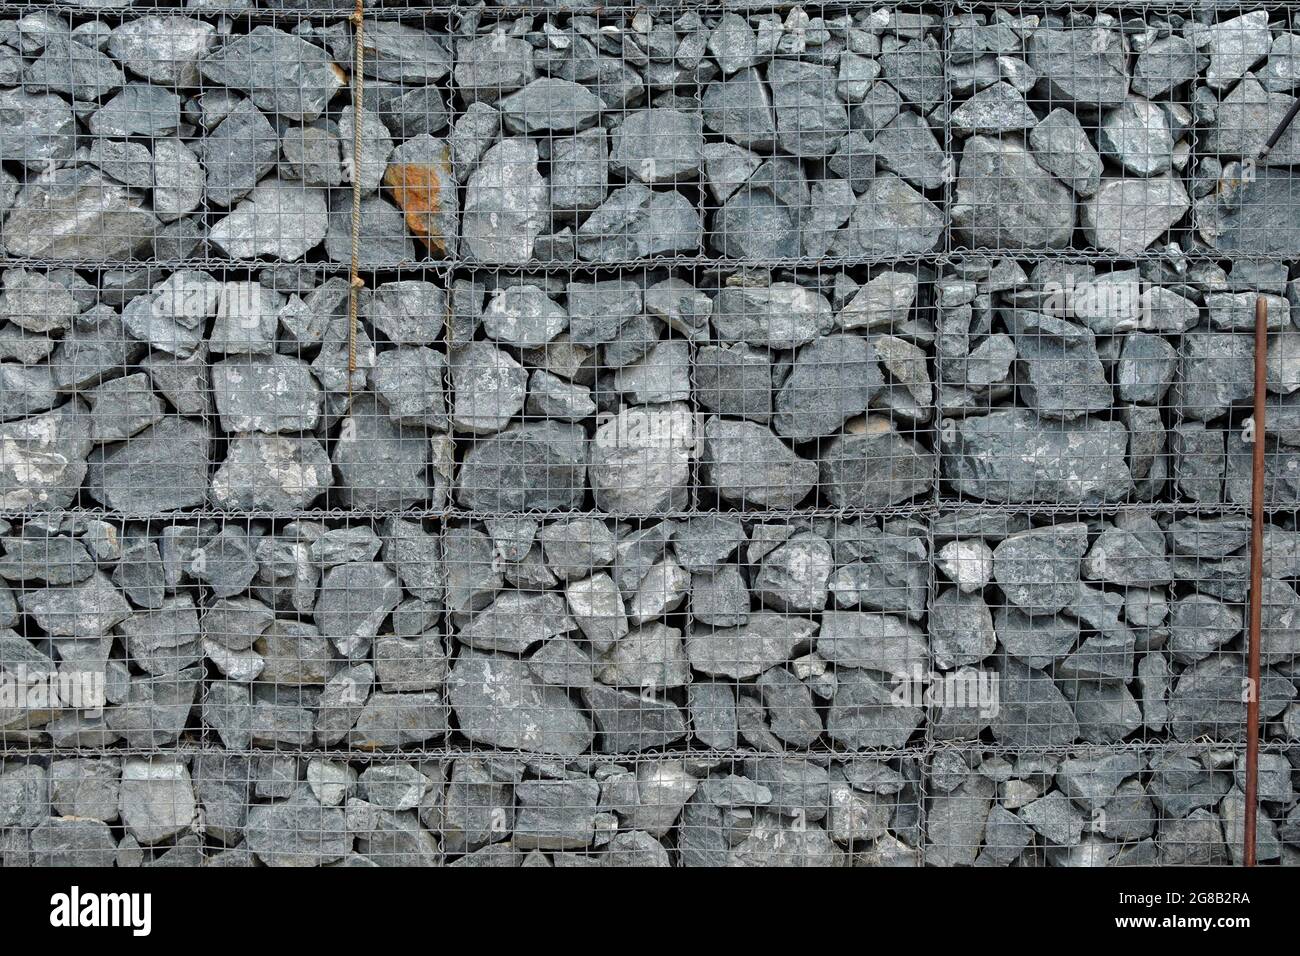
{"x": 380, "y": 463}
{"x": 638, "y": 222}
{"x": 1076, "y": 462}
{"x": 744, "y": 462}
{"x": 832, "y": 379}
{"x": 281, "y": 73}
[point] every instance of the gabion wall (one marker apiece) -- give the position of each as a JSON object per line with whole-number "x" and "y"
{"x": 800, "y": 435}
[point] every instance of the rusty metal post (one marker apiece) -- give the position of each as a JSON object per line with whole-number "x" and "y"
{"x": 1256, "y": 583}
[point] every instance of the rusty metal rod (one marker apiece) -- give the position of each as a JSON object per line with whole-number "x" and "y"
{"x": 1256, "y": 583}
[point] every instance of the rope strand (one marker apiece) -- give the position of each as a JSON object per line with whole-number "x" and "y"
{"x": 355, "y": 283}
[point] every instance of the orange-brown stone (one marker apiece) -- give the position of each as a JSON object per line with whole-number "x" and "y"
{"x": 418, "y": 189}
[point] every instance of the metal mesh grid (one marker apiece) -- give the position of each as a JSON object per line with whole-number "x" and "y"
{"x": 772, "y": 435}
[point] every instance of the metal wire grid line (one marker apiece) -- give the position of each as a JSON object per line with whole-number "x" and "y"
{"x": 839, "y": 376}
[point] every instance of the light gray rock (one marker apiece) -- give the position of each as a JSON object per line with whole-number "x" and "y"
{"x": 1127, "y": 215}
{"x": 1069, "y": 462}
{"x": 658, "y": 146}
{"x": 497, "y": 702}
{"x": 163, "y": 49}
{"x": 277, "y": 218}
{"x": 506, "y": 204}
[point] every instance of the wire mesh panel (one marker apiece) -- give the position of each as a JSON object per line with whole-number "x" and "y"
{"x": 683, "y": 435}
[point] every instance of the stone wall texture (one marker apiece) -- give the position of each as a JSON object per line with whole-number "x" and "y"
{"x": 773, "y": 436}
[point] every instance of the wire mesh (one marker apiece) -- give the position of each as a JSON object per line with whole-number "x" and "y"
{"x": 770, "y": 434}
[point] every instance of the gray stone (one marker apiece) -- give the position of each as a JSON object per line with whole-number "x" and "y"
{"x": 1088, "y": 67}
{"x": 271, "y": 472}
{"x": 961, "y": 629}
{"x": 354, "y": 601}
{"x": 1127, "y": 215}
{"x": 278, "y": 218}
{"x": 579, "y": 172}
{"x": 658, "y": 146}
{"x": 279, "y": 72}
{"x": 1000, "y": 108}
{"x": 873, "y": 465}
{"x": 139, "y": 110}
{"x": 733, "y": 43}
{"x": 1145, "y": 369}
{"x": 746, "y": 651}
{"x": 720, "y": 598}
{"x": 380, "y": 463}
{"x": 810, "y": 117}
{"x": 383, "y": 238}
{"x": 506, "y": 204}
{"x": 39, "y": 128}
{"x": 179, "y": 182}
{"x": 746, "y": 463}
{"x": 1032, "y": 711}
{"x": 488, "y": 67}
{"x": 734, "y": 380}
{"x": 311, "y": 155}
{"x": 740, "y": 109}
{"x": 864, "y": 713}
{"x": 1074, "y": 462}
{"x": 779, "y": 316}
{"x": 399, "y": 53}
{"x": 1245, "y": 119}
{"x": 1137, "y": 135}
{"x": 297, "y": 832}
{"x": 515, "y": 621}
{"x": 121, "y": 407}
{"x": 524, "y": 316}
{"x": 162, "y": 468}
{"x": 389, "y": 721}
{"x": 1059, "y": 372}
{"x": 238, "y": 153}
{"x": 890, "y": 218}
{"x": 1006, "y": 200}
{"x": 163, "y": 49}
{"x": 629, "y": 722}
{"x": 526, "y": 466}
{"x": 1062, "y": 148}
{"x": 915, "y": 69}
{"x": 78, "y": 214}
{"x": 376, "y": 146}
{"x": 1165, "y": 63}
{"x": 794, "y": 576}
{"x": 157, "y": 799}
{"x": 489, "y": 388}
{"x": 956, "y": 822}
{"x": 907, "y": 146}
{"x": 1054, "y": 818}
{"x": 831, "y": 380}
{"x": 408, "y": 312}
{"x": 637, "y": 222}
{"x": 1249, "y": 215}
{"x": 556, "y": 814}
{"x": 498, "y": 703}
{"x": 550, "y": 104}
{"x": 641, "y": 459}
{"x": 410, "y": 382}
{"x": 1038, "y": 570}
{"x": 1234, "y": 46}
{"x": 1215, "y": 372}
{"x": 269, "y": 394}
